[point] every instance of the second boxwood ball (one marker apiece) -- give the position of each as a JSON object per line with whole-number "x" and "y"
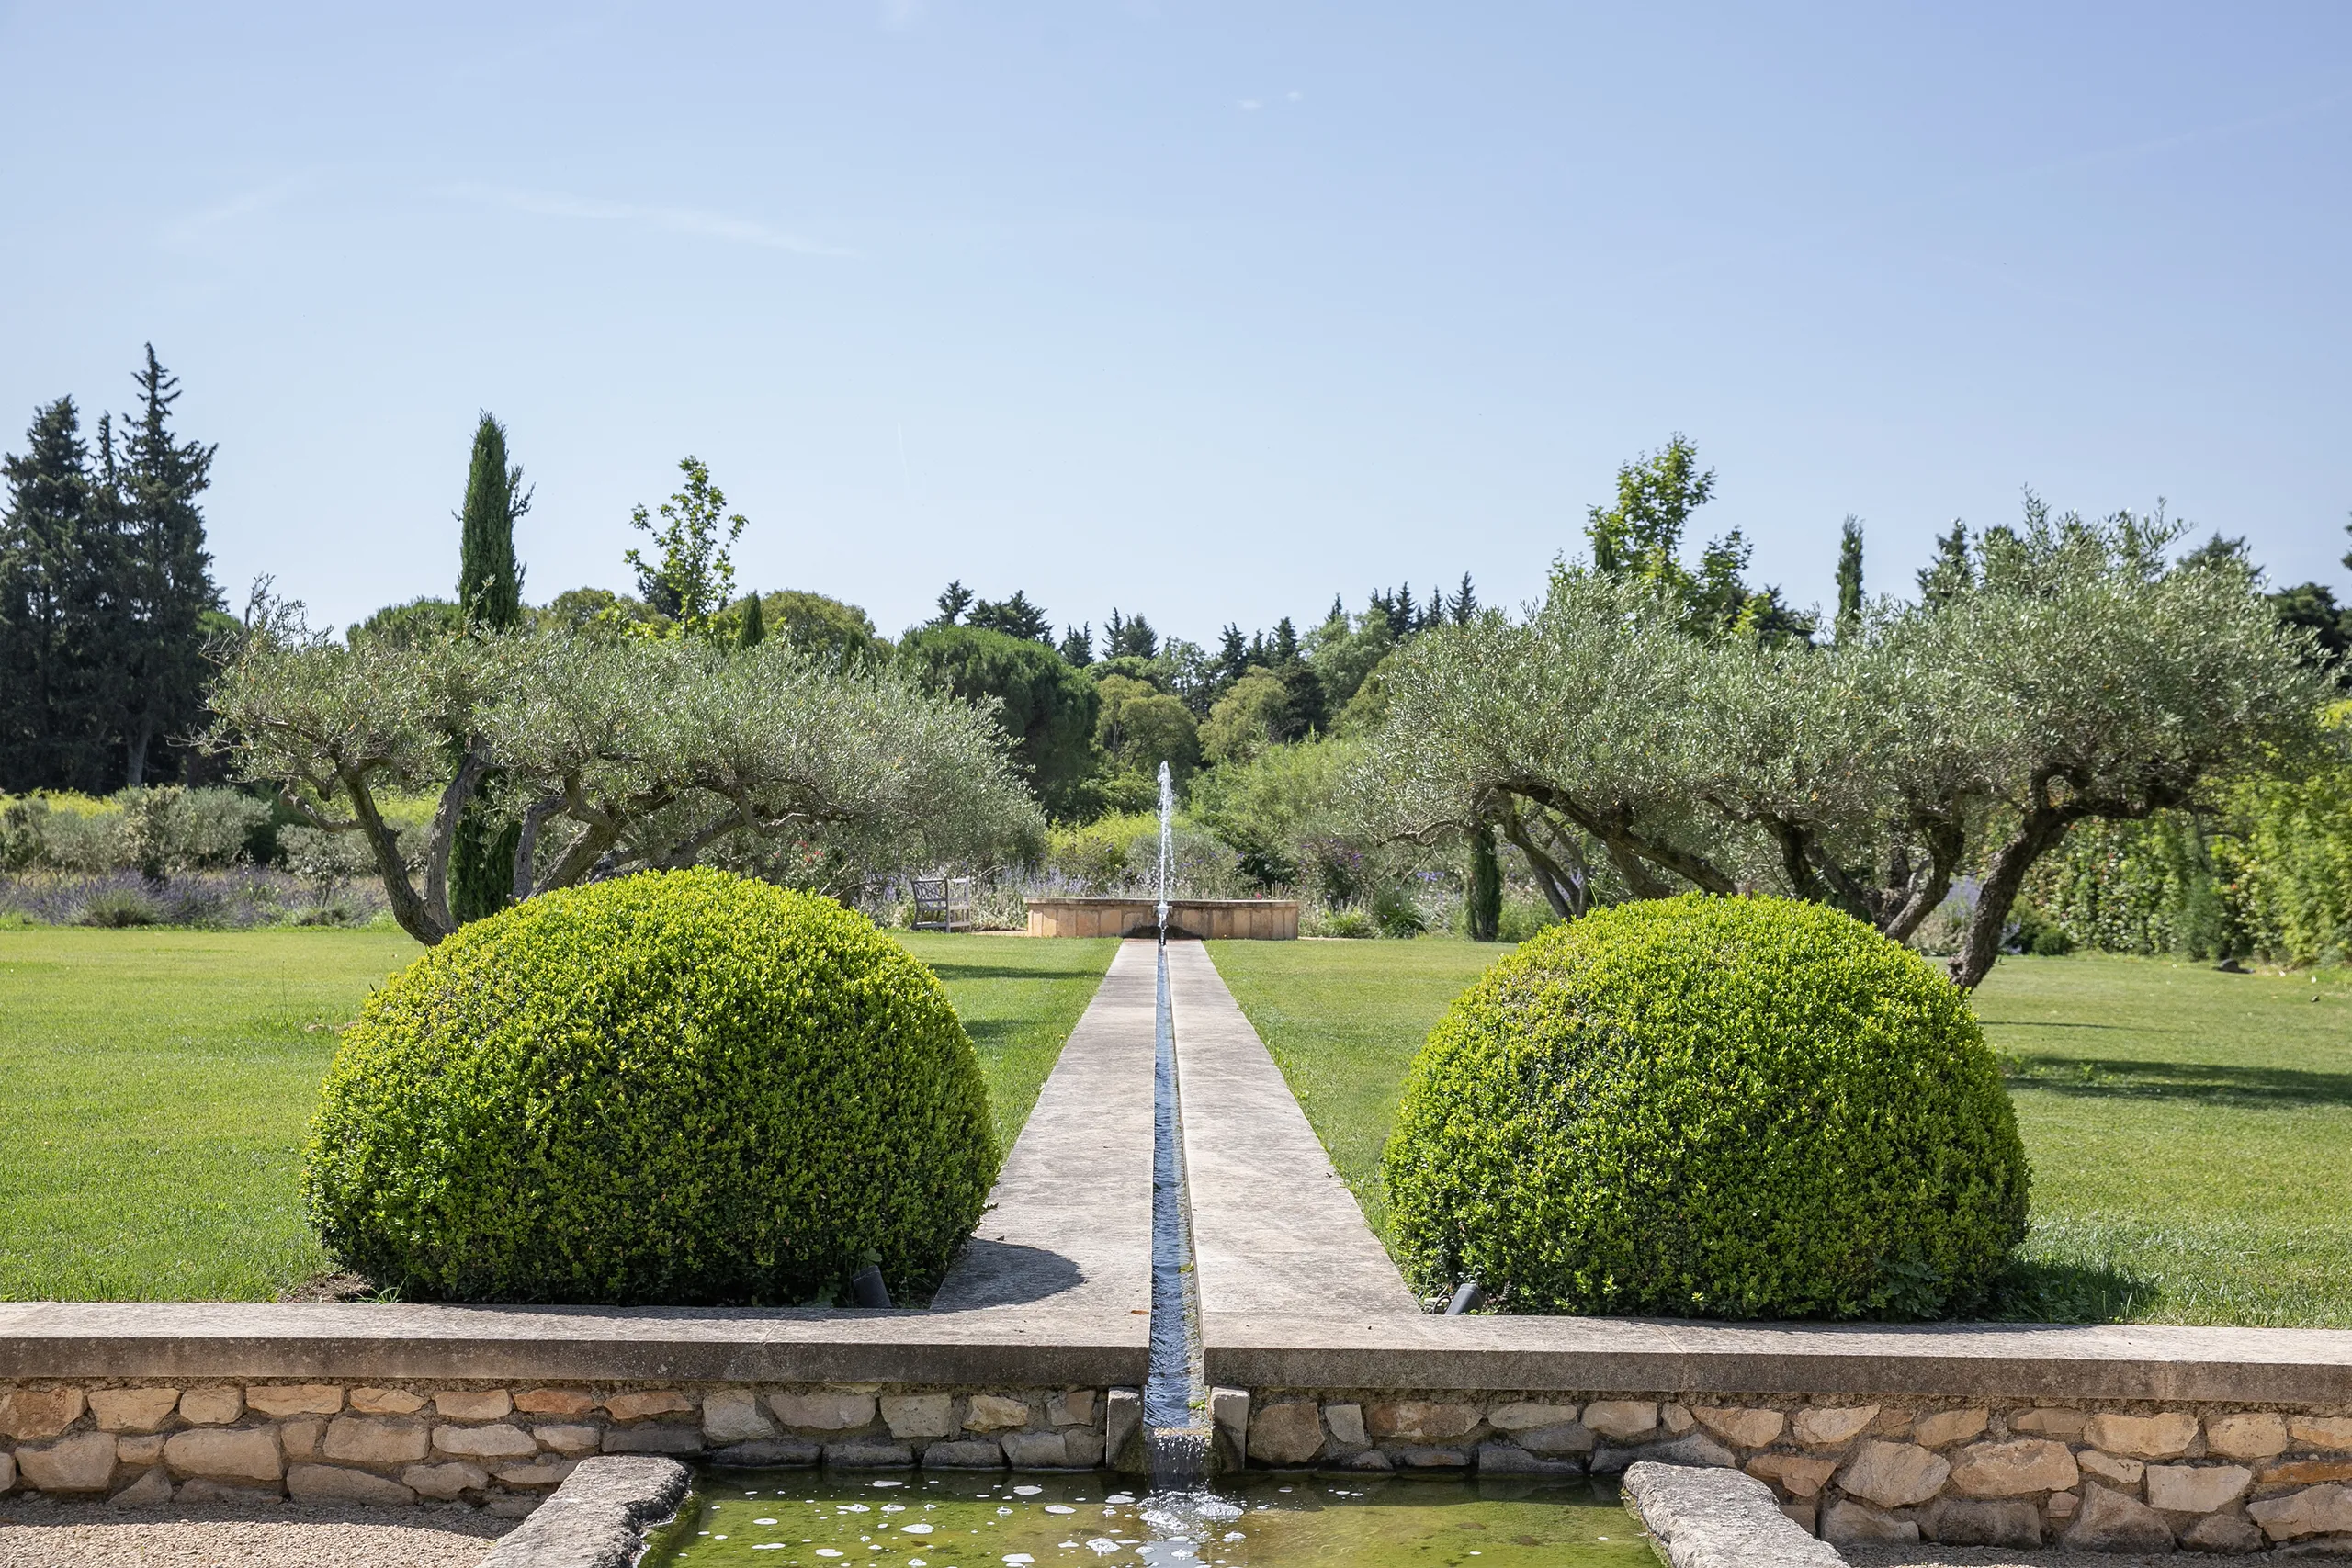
{"x": 686, "y": 1088}
{"x": 1710, "y": 1106}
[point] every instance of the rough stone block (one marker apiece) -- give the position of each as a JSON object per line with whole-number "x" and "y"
{"x": 82, "y": 1462}
{"x": 376, "y": 1440}
{"x": 2061, "y": 1505}
{"x": 994, "y": 1413}
{"x": 2315, "y": 1510}
{"x": 545, "y": 1470}
{"x": 869, "y": 1456}
{"x": 1615, "y": 1419}
{"x": 2231, "y": 1534}
{"x": 203, "y": 1490}
{"x": 733, "y": 1416}
{"x": 1944, "y": 1427}
{"x": 919, "y": 1415}
{"x": 1229, "y": 1427}
{"x": 2318, "y": 1546}
{"x": 1522, "y": 1416}
{"x": 300, "y": 1436}
{"x": 2251, "y": 1434}
{"x": 248, "y": 1453}
{"x": 1741, "y": 1428}
{"x": 8, "y": 1471}
{"x": 151, "y": 1490}
{"x": 132, "y": 1409}
{"x": 1290, "y": 1432}
{"x": 1971, "y": 1521}
{"x": 2062, "y": 1424}
{"x": 971, "y": 1453}
{"x": 672, "y": 1440}
{"x": 523, "y": 1505}
{"x": 1569, "y": 1438}
{"x": 1894, "y": 1475}
{"x": 503, "y": 1441}
{"x": 1083, "y": 1447}
{"x": 1345, "y": 1423}
{"x": 385, "y": 1402}
{"x": 331, "y": 1483}
{"x": 280, "y": 1400}
{"x": 473, "y": 1405}
{"x": 2013, "y": 1467}
{"x": 570, "y": 1438}
{"x": 1846, "y": 1521}
{"x": 445, "y": 1481}
{"x": 1122, "y": 1428}
{"x": 2142, "y": 1436}
{"x": 1433, "y": 1459}
{"x": 2121, "y": 1474}
{"x": 31, "y": 1414}
{"x": 670, "y": 1401}
{"x": 1677, "y": 1419}
{"x": 2304, "y": 1473}
{"x": 211, "y": 1407}
{"x": 2109, "y": 1521}
{"x": 1804, "y": 1514}
{"x": 143, "y": 1449}
{"x": 1800, "y": 1475}
{"x": 1698, "y": 1449}
{"x": 1829, "y": 1428}
{"x": 1072, "y": 1407}
{"x": 1509, "y": 1459}
{"x": 768, "y": 1453}
{"x": 555, "y": 1402}
{"x": 2196, "y": 1488}
{"x": 1370, "y": 1461}
{"x": 2333, "y": 1432}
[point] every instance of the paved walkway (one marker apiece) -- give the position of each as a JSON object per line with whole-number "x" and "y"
{"x": 1274, "y": 1229}
{"x": 1069, "y": 1229}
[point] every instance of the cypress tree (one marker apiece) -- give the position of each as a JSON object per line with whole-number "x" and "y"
{"x": 55, "y": 712}
{"x": 754, "y": 630}
{"x": 1849, "y": 579}
{"x": 1485, "y": 899}
{"x": 490, "y": 596}
{"x": 166, "y": 576}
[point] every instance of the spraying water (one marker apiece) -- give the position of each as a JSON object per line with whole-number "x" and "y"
{"x": 1175, "y": 1398}
{"x": 1167, "y": 847}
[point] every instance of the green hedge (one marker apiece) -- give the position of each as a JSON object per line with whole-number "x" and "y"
{"x": 684, "y": 1088}
{"x": 1709, "y": 1107}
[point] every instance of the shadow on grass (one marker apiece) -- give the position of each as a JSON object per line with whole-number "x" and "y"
{"x": 947, "y": 969}
{"x": 2103, "y": 1077}
{"x": 2063, "y": 1291}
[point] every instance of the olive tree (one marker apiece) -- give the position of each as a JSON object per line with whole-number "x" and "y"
{"x": 2077, "y": 674}
{"x": 620, "y": 754}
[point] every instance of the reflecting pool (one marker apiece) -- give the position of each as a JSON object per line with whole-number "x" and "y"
{"x": 802, "y": 1518}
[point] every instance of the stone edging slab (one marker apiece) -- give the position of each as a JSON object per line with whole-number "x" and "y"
{"x": 599, "y": 1517}
{"x": 1720, "y": 1518}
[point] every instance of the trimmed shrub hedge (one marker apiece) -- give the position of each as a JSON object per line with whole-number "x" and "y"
{"x": 685, "y": 1088}
{"x": 1712, "y": 1108}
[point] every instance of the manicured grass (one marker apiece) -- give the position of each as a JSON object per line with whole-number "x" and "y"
{"x": 2190, "y": 1131}
{"x": 155, "y": 1087}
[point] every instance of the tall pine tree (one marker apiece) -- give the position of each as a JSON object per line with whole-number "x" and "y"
{"x": 164, "y": 576}
{"x": 57, "y": 702}
{"x": 490, "y": 596}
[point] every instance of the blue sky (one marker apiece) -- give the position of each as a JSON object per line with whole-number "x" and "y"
{"x": 1201, "y": 311}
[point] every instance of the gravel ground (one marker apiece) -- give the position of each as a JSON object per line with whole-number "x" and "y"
{"x": 1925, "y": 1555}
{"x": 42, "y": 1534}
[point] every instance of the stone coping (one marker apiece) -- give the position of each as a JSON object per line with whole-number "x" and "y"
{"x": 2129, "y": 1362}
{"x": 204, "y": 1339}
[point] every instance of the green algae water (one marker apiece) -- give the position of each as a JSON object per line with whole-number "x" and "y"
{"x": 800, "y": 1518}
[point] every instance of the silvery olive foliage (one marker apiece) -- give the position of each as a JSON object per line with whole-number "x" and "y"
{"x": 2079, "y": 673}
{"x": 620, "y": 754}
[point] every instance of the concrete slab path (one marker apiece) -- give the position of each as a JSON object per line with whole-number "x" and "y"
{"x": 1070, "y": 1228}
{"x": 1274, "y": 1229}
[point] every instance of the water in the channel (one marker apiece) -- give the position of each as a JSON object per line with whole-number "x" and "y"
{"x": 802, "y": 1518}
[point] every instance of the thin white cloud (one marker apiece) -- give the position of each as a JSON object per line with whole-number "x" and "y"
{"x": 1251, "y": 104}
{"x": 207, "y": 223}
{"x": 671, "y": 220}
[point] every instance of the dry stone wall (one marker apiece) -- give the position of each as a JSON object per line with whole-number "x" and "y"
{"x": 504, "y": 1447}
{"x": 2108, "y": 1478}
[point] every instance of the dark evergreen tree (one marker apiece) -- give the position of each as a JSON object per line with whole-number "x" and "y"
{"x": 1850, "y": 577}
{"x": 1285, "y": 648}
{"x": 1014, "y": 616}
{"x": 1232, "y": 655}
{"x": 1463, "y": 604}
{"x": 1435, "y": 615}
{"x": 1952, "y": 573}
{"x": 952, "y": 603}
{"x": 1483, "y": 903}
{"x": 1129, "y": 635}
{"x": 490, "y": 582}
{"x": 167, "y": 574}
{"x": 1078, "y": 646}
{"x": 753, "y": 630}
{"x": 58, "y": 707}
{"x": 490, "y": 599}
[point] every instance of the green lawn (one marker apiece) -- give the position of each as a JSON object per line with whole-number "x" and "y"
{"x": 2190, "y": 1131}
{"x": 154, "y": 1087}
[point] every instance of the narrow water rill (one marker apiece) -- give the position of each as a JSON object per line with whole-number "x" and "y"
{"x": 1175, "y": 1400}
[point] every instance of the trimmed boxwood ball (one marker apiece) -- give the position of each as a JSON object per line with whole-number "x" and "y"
{"x": 683, "y": 1088}
{"x": 1706, "y": 1107}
